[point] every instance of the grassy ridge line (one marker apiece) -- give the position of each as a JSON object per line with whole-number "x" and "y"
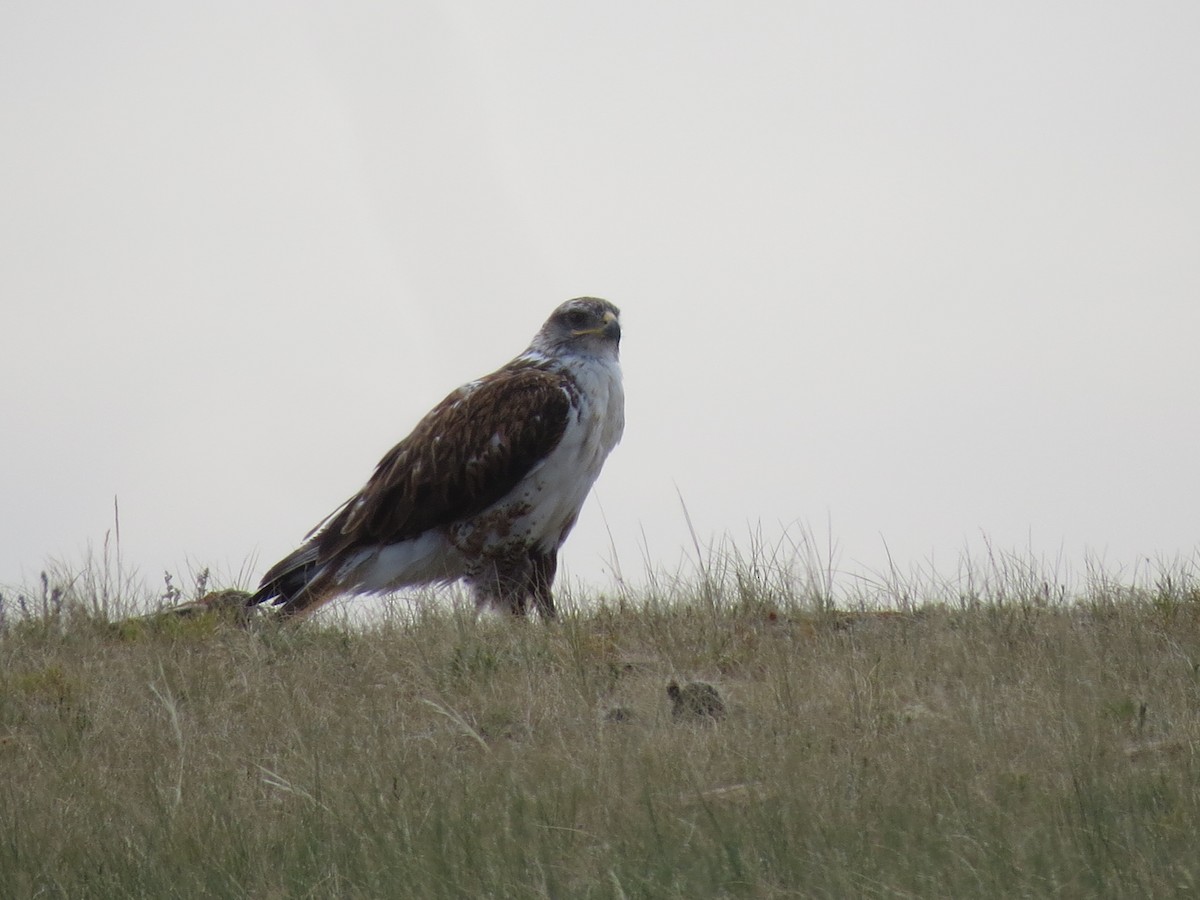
{"x": 998, "y": 750}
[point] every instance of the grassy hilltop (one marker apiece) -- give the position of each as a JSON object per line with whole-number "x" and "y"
{"x": 1017, "y": 744}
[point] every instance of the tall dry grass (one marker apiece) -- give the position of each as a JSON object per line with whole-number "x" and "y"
{"x": 1011, "y": 741}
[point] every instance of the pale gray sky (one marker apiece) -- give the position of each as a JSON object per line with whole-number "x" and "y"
{"x": 902, "y": 272}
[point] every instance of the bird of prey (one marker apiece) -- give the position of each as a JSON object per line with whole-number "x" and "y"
{"x": 487, "y": 486}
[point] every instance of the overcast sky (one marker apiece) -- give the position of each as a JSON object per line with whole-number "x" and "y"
{"x": 915, "y": 276}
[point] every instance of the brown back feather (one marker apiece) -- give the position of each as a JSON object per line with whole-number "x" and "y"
{"x": 448, "y": 468}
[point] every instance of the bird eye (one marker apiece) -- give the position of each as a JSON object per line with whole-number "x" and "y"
{"x": 577, "y": 318}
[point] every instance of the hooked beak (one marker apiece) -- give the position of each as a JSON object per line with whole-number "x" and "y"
{"x": 610, "y": 327}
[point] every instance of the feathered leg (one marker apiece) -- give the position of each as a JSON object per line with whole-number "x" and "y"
{"x": 510, "y": 584}
{"x": 500, "y": 585}
{"x": 543, "y": 568}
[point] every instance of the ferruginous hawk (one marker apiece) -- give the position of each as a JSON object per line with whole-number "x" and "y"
{"x": 485, "y": 489}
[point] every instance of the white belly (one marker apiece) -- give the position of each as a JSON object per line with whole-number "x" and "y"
{"x": 543, "y": 507}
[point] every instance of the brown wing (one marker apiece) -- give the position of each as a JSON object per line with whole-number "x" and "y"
{"x": 467, "y": 453}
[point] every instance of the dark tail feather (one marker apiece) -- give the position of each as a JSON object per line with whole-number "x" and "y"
{"x": 297, "y": 584}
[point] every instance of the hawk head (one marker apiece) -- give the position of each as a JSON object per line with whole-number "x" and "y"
{"x": 585, "y": 326}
